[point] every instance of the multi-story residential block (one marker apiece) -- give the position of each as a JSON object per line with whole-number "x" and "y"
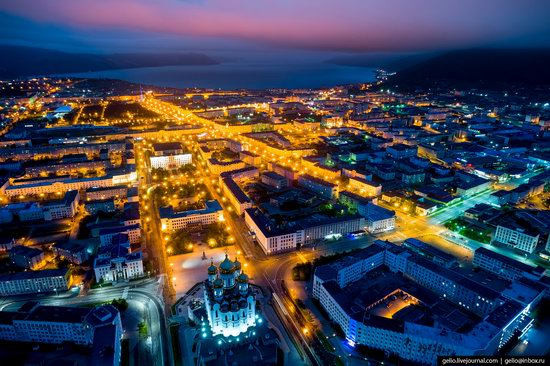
{"x": 64, "y": 208}
{"x": 240, "y": 174}
{"x": 60, "y": 150}
{"x": 113, "y": 178}
{"x": 321, "y": 187}
{"x": 250, "y": 158}
{"x": 133, "y": 231}
{"x": 504, "y": 266}
{"x": 317, "y": 227}
{"x": 100, "y": 205}
{"x": 355, "y": 201}
{"x": 275, "y": 239}
{"x": 93, "y": 327}
{"x": 398, "y": 275}
{"x": 274, "y": 180}
{"x": 172, "y": 221}
{"x": 103, "y": 193}
{"x": 516, "y": 237}
{"x": 365, "y": 187}
{"x": 286, "y": 172}
{"x": 67, "y": 167}
{"x": 400, "y": 151}
{"x": 5, "y": 216}
{"x": 26, "y": 257}
{"x": 379, "y": 219}
{"x": 32, "y": 282}
{"x": 430, "y": 252}
{"x": 130, "y": 214}
{"x": 237, "y": 197}
{"x": 217, "y": 167}
{"x": 76, "y": 253}
{"x": 271, "y": 238}
{"x": 31, "y": 212}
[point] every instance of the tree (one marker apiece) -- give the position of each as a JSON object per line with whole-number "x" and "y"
{"x": 120, "y": 304}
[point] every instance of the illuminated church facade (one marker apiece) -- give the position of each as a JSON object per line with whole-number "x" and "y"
{"x": 229, "y": 300}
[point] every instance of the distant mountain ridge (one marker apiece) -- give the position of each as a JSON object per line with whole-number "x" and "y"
{"x": 19, "y": 61}
{"x": 479, "y": 67}
{"x": 391, "y": 62}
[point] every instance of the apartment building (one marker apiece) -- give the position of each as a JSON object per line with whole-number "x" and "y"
{"x": 516, "y": 237}
{"x": 32, "y": 282}
{"x": 318, "y": 186}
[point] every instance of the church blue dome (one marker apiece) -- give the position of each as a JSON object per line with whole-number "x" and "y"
{"x": 227, "y": 266}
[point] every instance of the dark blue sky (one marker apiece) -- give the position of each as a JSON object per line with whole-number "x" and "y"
{"x": 274, "y": 27}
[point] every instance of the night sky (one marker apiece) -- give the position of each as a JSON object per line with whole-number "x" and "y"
{"x": 347, "y": 26}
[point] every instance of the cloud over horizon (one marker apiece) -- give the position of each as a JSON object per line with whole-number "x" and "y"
{"x": 323, "y": 25}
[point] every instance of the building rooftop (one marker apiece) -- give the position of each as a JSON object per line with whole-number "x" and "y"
{"x": 504, "y": 259}
{"x": 236, "y": 190}
{"x": 167, "y": 146}
{"x": 273, "y": 175}
{"x": 25, "y": 251}
{"x": 29, "y": 275}
{"x": 316, "y": 180}
{"x": 418, "y": 245}
{"x": 210, "y": 207}
{"x": 58, "y": 314}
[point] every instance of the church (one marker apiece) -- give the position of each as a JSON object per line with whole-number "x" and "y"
{"x": 230, "y": 302}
